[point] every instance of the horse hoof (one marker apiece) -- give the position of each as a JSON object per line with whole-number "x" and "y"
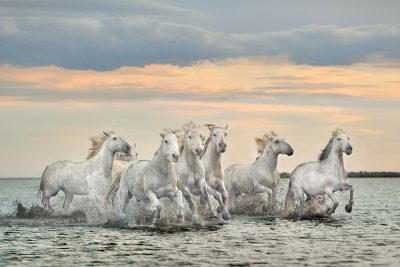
{"x": 348, "y": 208}
{"x": 225, "y": 216}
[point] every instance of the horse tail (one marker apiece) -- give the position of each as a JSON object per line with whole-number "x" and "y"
{"x": 289, "y": 197}
{"x": 113, "y": 188}
{"x": 42, "y": 185}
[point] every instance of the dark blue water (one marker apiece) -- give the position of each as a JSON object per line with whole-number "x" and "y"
{"x": 370, "y": 235}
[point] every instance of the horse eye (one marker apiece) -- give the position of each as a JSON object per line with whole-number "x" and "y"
{"x": 114, "y": 138}
{"x": 339, "y": 139}
{"x": 166, "y": 141}
{"x": 276, "y": 141}
{"x": 214, "y": 135}
{"x": 190, "y": 137}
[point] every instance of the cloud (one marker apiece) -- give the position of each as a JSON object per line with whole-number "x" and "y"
{"x": 116, "y": 35}
{"x": 93, "y": 7}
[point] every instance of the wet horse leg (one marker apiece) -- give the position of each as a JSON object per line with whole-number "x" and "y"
{"x": 67, "y": 201}
{"x": 155, "y": 204}
{"x": 206, "y": 196}
{"x": 349, "y": 206}
{"x": 329, "y": 192}
{"x": 221, "y": 209}
{"x": 179, "y": 205}
{"x": 186, "y": 195}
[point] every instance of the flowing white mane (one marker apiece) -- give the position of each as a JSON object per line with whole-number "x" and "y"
{"x": 97, "y": 142}
{"x": 327, "y": 150}
{"x": 264, "y": 140}
{"x": 185, "y": 129}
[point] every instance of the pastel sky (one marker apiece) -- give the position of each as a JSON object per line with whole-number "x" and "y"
{"x": 71, "y": 69}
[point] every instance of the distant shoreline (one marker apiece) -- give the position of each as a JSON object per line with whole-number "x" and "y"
{"x": 352, "y": 174}
{"x": 362, "y": 174}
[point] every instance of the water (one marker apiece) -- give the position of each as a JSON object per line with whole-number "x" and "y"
{"x": 369, "y": 235}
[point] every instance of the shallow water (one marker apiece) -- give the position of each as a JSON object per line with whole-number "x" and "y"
{"x": 369, "y": 235}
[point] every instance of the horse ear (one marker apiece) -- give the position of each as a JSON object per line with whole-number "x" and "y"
{"x": 162, "y": 135}
{"x": 106, "y": 134}
{"x": 134, "y": 145}
{"x": 210, "y": 126}
{"x": 226, "y": 126}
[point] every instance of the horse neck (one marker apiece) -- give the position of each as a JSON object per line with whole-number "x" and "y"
{"x": 335, "y": 160}
{"x": 104, "y": 159}
{"x": 164, "y": 167}
{"x": 213, "y": 156}
{"x": 191, "y": 160}
{"x": 268, "y": 159}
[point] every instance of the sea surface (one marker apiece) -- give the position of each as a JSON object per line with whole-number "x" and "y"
{"x": 370, "y": 235}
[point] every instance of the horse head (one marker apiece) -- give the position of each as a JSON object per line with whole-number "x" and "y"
{"x": 116, "y": 144}
{"x": 193, "y": 139}
{"x": 218, "y": 136}
{"x": 170, "y": 145}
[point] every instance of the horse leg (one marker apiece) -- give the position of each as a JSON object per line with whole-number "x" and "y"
{"x": 204, "y": 193}
{"x": 186, "y": 195}
{"x": 349, "y": 206}
{"x": 122, "y": 201}
{"x": 179, "y": 205}
{"x": 272, "y": 198}
{"x": 67, "y": 201}
{"x": 46, "y": 195}
{"x": 46, "y": 202}
{"x": 221, "y": 209}
{"x": 156, "y": 205}
{"x": 329, "y": 192}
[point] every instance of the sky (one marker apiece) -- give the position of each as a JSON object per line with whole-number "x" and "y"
{"x": 71, "y": 69}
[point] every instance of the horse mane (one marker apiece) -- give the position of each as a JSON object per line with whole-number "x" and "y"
{"x": 185, "y": 128}
{"x": 97, "y": 142}
{"x": 328, "y": 148}
{"x": 263, "y": 141}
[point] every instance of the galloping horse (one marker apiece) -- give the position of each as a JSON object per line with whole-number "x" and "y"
{"x": 215, "y": 145}
{"x": 148, "y": 181}
{"x": 190, "y": 170}
{"x": 261, "y": 176}
{"x": 78, "y": 178}
{"x": 324, "y": 176}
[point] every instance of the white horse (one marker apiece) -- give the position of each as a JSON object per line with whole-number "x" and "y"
{"x": 121, "y": 160}
{"x": 72, "y": 177}
{"x": 148, "y": 181}
{"x": 215, "y": 145}
{"x": 190, "y": 170}
{"x": 324, "y": 176}
{"x": 261, "y": 176}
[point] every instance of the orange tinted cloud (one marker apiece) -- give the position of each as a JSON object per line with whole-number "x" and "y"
{"x": 210, "y": 79}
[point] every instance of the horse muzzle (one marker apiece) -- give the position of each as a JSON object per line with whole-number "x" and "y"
{"x": 349, "y": 150}
{"x": 222, "y": 147}
{"x": 175, "y": 157}
{"x": 290, "y": 152}
{"x": 199, "y": 151}
{"x": 128, "y": 150}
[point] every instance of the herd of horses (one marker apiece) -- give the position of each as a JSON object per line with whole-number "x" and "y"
{"x": 189, "y": 164}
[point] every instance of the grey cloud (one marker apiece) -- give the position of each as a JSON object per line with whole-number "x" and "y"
{"x": 105, "y": 43}
{"x": 92, "y": 7}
